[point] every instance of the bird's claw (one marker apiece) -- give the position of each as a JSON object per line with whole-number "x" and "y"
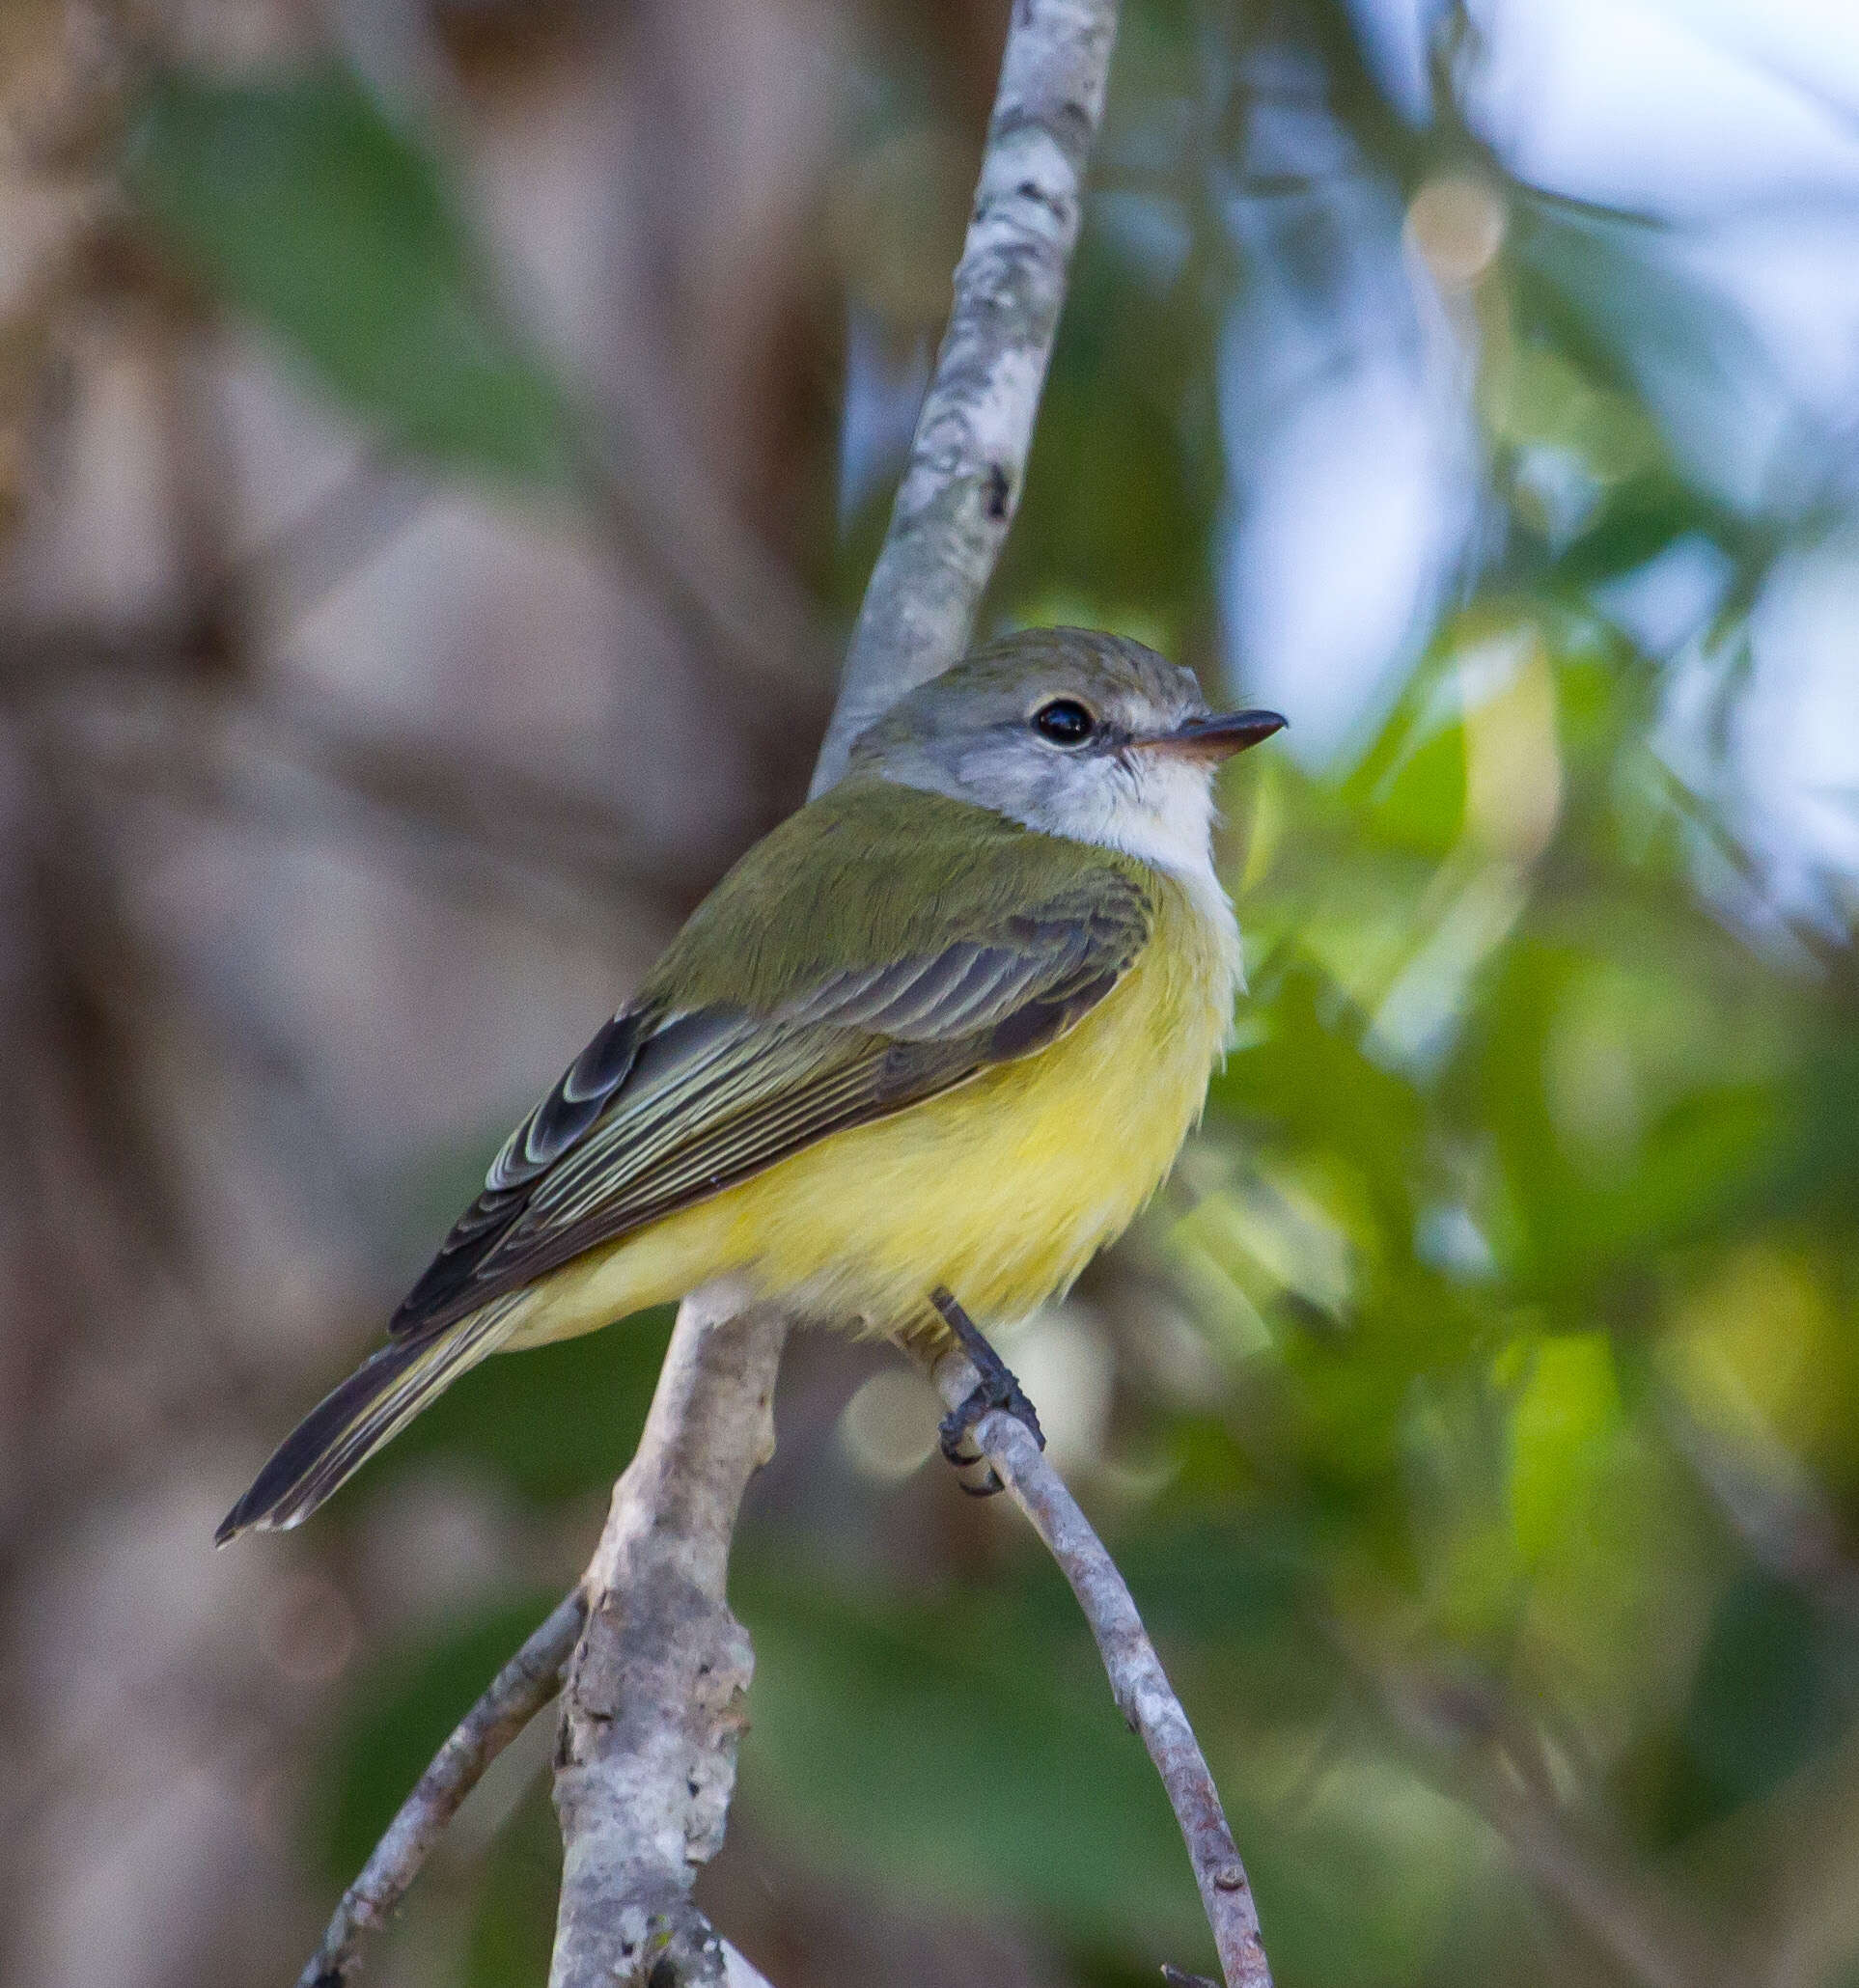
{"x": 995, "y": 1387}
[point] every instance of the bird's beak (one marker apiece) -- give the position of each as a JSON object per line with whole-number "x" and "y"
{"x": 1217, "y": 738}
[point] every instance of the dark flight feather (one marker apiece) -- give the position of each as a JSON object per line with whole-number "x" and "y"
{"x": 353, "y": 1419}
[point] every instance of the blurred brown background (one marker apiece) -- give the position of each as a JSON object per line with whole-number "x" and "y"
{"x": 441, "y": 446}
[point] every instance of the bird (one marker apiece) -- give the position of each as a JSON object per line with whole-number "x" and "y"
{"x": 928, "y": 1047}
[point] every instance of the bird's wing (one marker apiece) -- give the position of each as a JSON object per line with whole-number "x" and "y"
{"x": 666, "y": 1107}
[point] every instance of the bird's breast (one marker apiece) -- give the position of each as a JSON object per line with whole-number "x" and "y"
{"x": 1002, "y": 1189}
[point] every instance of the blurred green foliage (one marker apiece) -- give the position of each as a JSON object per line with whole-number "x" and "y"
{"x": 550, "y": 1425}
{"x": 299, "y": 202}
{"x": 1520, "y": 1250}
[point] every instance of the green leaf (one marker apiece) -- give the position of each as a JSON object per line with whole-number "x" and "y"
{"x": 300, "y": 203}
{"x": 1768, "y": 1694}
{"x": 1615, "y": 1106}
{"x": 1635, "y": 522}
{"x": 1566, "y": 1414}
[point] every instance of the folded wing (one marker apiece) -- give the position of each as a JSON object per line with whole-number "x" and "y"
{"x": 665, "y": 1108}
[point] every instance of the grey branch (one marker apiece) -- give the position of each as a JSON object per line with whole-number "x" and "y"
{"x": 640, "y": 1816}
{"x": 1137, "y": 1680}
{"x": 961, "y": 486}
{"x": 653, "y": 1703}
{"x": 516, "y": 1693}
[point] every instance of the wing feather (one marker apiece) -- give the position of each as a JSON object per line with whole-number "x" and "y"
{"x": 663, "y": 1108}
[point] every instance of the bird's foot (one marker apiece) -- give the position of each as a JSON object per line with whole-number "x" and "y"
{"x": 994, "y": 1387}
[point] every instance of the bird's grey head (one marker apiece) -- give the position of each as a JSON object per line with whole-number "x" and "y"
{"x": 1074, "y": 733}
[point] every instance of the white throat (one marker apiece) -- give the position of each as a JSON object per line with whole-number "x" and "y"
{"x": 1158, "y": 810}
{"x": 1162, "y": 815}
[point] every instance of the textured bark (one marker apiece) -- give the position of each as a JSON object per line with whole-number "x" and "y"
{"x": 961, "y": 486}
{"x": 652, "y": 1707}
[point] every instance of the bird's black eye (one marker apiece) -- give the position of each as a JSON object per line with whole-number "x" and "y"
{"x": 1063, "y": 722}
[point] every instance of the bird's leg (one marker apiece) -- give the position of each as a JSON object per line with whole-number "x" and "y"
{"x": 994, "y": 1387}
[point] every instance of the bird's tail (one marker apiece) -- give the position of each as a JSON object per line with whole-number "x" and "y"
{"x": 348, "y": 1424}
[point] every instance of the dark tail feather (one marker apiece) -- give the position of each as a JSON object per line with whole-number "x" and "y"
{"x": 348, "y": 1425}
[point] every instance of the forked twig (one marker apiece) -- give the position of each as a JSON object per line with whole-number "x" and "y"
{"x": 519, "y": 1690}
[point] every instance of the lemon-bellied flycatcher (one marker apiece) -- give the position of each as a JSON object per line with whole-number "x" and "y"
{"x": 927, "y": 1048}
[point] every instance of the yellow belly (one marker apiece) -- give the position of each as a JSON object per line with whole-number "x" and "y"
{"x": 1000, "y": 1189}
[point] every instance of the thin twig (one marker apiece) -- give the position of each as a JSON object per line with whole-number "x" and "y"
{"x": 1137, "y": 1680}
{"x": 516, "y": 1693}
